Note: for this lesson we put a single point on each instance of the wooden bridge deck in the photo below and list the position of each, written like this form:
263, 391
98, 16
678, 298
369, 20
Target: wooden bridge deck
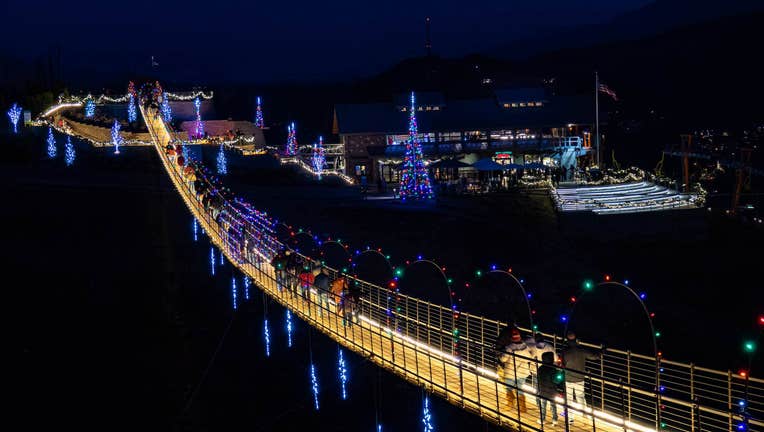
467, 387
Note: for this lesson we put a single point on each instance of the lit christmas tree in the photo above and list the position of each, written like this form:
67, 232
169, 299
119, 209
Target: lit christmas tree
222, 162
51, 144
415, 182
90, 108
132, 113
166, 110
69, 154
259, 121
116, 139
291, 145
319, 158
199, 124
14, 114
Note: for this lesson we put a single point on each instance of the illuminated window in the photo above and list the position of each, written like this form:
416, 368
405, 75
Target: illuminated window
429, 108
522, 104
403, 109
514, 104
506, 105
436, 108
538, 104
420, 109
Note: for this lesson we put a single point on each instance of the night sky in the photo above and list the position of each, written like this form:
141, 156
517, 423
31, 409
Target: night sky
204, 42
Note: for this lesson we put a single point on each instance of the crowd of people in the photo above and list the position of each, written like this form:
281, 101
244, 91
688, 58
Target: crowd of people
532, 365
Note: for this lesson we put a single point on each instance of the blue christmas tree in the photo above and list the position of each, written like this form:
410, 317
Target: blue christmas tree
166, 110
291, 145
116, 139
199, 124
222, 161
318, 160
259, 121
90, 107
415, 181
132, 113
14, 114
69, 154
52, 150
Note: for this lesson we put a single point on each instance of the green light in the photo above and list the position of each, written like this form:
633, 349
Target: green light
535, 327
663, 425
344, 270
657, 334
749, 347
588, 285
479, 273
387, 257
399, 272
450, 280
559, 378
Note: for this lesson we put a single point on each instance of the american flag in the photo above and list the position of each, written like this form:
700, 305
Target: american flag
608, 91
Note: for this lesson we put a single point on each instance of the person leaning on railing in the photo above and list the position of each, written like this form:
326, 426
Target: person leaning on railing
574, 359
514, 367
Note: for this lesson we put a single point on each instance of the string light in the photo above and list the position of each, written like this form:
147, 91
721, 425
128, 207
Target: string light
246, 288
52, 150
233, 293
259, 121
69, 154
166, 109
314, 384
222, 163
14, 113
291, 144
116, 139
289, 328
267, 336
343, 373
199, 129
195, 224
427, 416
222, 258
415, 181
132, 113
90, 107
212, 260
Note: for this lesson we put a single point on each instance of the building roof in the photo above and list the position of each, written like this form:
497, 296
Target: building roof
464, 115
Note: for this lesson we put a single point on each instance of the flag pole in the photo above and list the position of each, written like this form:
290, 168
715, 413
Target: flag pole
597, 115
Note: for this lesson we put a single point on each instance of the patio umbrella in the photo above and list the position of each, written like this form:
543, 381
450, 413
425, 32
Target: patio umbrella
487, 164
448, 163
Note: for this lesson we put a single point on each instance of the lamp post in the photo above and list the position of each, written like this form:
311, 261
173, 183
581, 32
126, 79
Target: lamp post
525, 294
392, 280
454, 312
589, 286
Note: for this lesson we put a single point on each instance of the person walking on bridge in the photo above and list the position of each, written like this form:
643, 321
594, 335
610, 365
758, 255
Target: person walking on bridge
321, 282
515, 366
574, 359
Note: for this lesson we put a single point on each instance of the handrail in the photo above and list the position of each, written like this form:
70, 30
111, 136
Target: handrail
690, 392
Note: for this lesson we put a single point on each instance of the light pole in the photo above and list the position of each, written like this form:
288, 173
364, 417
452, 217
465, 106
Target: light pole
525, 295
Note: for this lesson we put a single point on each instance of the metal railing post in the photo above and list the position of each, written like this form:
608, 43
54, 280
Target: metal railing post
692, 397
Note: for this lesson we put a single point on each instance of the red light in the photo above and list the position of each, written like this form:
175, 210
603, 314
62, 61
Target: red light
743, 373
392, 284
510, 269
408, 262
607, 277
660, 353
572, 299
379, 250
467, 284
533, 312
652, 314
761, 319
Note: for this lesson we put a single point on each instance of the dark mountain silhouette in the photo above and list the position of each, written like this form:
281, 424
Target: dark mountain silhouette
654, 18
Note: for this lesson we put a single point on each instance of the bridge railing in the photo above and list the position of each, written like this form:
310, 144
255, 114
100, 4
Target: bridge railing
620, 386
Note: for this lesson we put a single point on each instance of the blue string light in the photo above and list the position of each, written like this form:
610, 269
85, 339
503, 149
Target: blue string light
51, 144
14, 114
246, 288
69, 154
233, 293
116, 139
314, 384
212, 260
319, 158
166, 110
195, 230
427, 416
343, 373
289, 328
90, 108
199, 132
222, 258
222, 163
132, 113
267, 335
259, 121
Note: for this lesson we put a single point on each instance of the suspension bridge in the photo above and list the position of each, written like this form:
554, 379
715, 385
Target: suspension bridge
452, 353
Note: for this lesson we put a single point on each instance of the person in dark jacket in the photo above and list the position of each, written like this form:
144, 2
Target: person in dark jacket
550, 385
279, 267
321, 282
293, 268
574, 359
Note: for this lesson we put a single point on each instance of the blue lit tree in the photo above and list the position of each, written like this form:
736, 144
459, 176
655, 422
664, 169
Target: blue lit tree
90, 107
199, 124
132, 113
116, 139
222, 162
291, 145
52, 150
415, 181
69, 154
166, 110
14, 114
259, 121
318, 160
